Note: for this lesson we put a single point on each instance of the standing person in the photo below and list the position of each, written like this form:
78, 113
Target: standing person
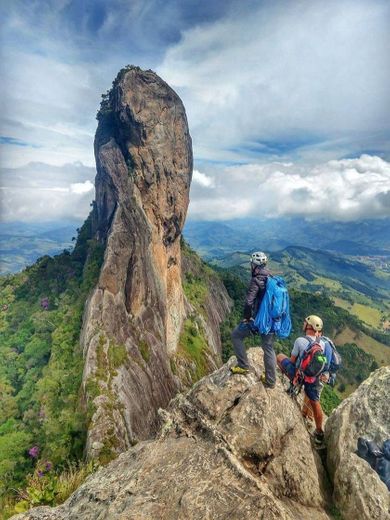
254, 296
312, 327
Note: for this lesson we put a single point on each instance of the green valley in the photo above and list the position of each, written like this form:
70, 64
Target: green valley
351, 284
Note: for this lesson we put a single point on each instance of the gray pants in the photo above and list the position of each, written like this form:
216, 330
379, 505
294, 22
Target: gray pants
242, 331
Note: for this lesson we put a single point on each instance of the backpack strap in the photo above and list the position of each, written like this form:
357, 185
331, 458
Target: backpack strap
298, 361
310, 343
310, 340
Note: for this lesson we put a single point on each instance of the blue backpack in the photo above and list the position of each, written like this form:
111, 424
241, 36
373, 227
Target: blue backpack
335, 361
274, 312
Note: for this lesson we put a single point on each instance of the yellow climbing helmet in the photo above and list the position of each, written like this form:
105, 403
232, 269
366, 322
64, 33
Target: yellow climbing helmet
315, 322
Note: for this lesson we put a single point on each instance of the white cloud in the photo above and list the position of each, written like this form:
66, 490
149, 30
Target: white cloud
41, 192
81, 187
202, 179
289, 87
340, 190
286, 76
345, 189
51, 106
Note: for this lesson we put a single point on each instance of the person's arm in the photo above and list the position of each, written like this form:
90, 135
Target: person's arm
253, 290
324, 377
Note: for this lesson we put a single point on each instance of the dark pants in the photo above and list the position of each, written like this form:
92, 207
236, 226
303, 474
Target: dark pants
244, 330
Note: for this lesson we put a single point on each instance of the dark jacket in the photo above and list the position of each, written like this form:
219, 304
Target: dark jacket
255, 291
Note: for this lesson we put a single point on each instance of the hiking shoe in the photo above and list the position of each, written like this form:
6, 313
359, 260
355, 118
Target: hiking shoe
319, 438
239, 370
265, 382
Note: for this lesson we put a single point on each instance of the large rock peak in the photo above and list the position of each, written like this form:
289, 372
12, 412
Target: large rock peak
144, 167
143, 128
134, 318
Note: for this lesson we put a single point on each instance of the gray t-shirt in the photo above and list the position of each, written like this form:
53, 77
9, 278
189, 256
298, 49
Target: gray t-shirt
300, 345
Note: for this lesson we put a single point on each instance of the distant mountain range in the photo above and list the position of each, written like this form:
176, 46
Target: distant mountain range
361, 238
22, 243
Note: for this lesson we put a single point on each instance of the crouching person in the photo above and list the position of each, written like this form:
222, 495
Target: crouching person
313, 384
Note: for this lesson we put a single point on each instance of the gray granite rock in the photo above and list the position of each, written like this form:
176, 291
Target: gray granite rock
228, 449
134, 318
358, 490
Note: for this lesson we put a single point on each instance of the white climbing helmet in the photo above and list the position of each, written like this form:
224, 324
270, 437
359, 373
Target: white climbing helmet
315, 322
259, 258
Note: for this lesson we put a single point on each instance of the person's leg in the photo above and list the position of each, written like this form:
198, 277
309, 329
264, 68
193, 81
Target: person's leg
269, 358
318, 415
241, 332
279, 360
307, 410
312, 391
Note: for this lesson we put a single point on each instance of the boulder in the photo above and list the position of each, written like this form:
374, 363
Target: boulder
358, 491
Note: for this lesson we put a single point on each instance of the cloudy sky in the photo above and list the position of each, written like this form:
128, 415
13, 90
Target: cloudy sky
287, 101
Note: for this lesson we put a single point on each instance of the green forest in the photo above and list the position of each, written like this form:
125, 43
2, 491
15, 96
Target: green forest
41, 366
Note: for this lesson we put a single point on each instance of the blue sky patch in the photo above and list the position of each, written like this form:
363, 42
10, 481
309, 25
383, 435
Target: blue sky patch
16, 142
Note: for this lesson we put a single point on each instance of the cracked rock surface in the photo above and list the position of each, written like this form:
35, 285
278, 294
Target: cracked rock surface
230, 448
134, 317
358, 490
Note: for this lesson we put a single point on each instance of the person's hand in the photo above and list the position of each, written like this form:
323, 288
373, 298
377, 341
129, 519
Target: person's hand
324, 378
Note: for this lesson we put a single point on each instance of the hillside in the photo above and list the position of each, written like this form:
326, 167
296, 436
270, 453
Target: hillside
352, 284
353, 276
41, 361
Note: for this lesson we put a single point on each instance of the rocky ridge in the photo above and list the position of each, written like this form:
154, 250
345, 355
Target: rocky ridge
358, 491
135, 317
229, 448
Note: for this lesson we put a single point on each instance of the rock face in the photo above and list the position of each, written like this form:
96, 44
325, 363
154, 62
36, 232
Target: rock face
135, 316
358, 490
228, 449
